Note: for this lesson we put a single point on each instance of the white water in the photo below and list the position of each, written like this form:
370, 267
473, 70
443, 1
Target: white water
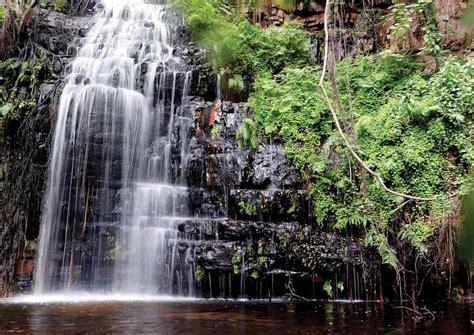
78, 298
116, 189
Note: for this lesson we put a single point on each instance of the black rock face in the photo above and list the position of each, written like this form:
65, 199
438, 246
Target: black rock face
254, 234
260, 234
26, 149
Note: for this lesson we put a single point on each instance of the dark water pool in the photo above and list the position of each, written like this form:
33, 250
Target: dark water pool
222, 317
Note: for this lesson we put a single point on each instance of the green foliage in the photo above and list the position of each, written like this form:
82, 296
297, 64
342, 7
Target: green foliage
413, 130
254, 274
403, 14
19, 80
44, 4
417, 233
236, 47
375, 239
236, 263
61, 6
262, 262
2, 14
346, 216
247, 208
327, 287
247, 135
215, 131
199, 273
292, 208
232, 85
286, 106
340, 286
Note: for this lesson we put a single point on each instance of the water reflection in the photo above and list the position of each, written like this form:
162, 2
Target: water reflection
218, 317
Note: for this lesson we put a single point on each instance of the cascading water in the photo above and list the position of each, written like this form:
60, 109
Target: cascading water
116, 191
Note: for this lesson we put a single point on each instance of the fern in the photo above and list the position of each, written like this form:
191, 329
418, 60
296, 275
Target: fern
247, 135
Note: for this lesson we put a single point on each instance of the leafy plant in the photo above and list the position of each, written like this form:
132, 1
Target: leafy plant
327, 287
236, 47
414, 130
61, 6
417, 233
215, 131
236, 262
403, 15
199, 273
408, 126
247, 208
247, 135
254, 274
340, 286
19, 81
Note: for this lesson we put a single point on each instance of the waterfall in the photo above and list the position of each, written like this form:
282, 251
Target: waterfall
116, 189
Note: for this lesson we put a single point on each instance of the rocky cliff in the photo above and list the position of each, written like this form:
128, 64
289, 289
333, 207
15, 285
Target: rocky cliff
367, 25
255, 228
255, 235
54, 37
260, 235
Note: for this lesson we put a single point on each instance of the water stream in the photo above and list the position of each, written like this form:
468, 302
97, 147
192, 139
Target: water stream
116, 189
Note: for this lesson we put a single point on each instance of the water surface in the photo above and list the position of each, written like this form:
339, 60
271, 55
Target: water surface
168, 316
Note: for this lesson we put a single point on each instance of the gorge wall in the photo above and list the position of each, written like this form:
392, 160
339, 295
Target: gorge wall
255, 222
26, 144
256, 235
367, 24
266, 233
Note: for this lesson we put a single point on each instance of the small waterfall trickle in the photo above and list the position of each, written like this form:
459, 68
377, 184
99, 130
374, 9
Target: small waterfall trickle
117, 190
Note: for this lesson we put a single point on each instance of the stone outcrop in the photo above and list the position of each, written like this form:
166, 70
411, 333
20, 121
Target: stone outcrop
253, 233
365, 28
257, 233
361, 28
58, 36
55, 36
311, 14
457, 35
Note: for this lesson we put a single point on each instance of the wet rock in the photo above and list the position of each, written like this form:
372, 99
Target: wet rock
60, 33
272, 169
264, 225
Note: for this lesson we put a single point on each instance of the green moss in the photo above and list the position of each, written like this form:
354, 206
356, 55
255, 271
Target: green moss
236, 263
199, 273
61, 6
2, 13
247, 208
